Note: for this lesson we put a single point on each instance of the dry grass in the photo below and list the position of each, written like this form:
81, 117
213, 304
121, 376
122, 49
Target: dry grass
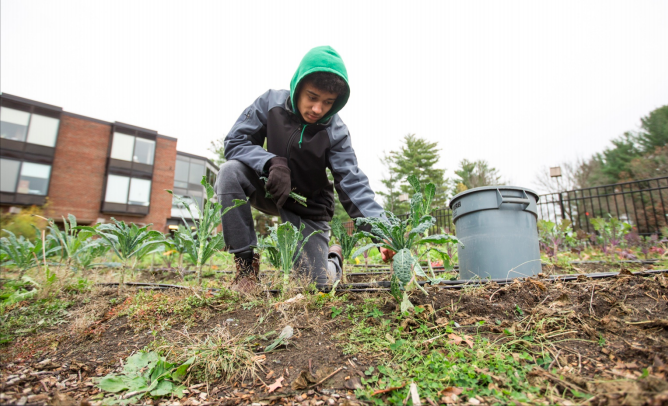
217, 355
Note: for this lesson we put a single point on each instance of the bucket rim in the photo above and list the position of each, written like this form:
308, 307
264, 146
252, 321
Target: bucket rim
485, 188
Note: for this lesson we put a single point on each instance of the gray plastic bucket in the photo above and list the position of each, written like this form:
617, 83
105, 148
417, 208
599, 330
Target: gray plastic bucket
497, 226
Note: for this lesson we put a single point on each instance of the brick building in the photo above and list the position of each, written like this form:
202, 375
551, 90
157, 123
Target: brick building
91, 168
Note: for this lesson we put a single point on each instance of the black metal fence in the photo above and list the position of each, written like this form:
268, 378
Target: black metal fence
443, 222
642, 203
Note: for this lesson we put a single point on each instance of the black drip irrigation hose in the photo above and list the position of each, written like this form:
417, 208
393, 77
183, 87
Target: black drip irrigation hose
383, 269
384, 286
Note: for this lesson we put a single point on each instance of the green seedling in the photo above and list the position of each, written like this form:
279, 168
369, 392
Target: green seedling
336, 311
285, 246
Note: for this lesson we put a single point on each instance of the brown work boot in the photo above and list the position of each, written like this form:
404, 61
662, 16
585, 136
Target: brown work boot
247, 278
337, 252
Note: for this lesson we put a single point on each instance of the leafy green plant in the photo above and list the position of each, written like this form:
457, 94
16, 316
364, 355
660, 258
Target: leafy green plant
177, 244
75, 247
84, 260
22, 253
145, 373
201, 242
267, 245
126, 241
346, 241
14, 291
285, 246
404, 236
611, 233
552, 236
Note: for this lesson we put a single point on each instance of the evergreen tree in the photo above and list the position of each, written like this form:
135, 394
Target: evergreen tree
391, 197
615, 162
474, 174
655, 133
417, 157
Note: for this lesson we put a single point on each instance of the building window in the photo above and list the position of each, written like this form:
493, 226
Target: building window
129, 148
24, 177
17, 125
9, 172
196, 173
144, 151
43, 130
34, 179
140, 192
181, 173
14, 124
125, 190
117, 189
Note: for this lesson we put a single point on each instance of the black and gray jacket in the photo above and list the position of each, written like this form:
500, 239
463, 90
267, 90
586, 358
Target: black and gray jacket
324, 145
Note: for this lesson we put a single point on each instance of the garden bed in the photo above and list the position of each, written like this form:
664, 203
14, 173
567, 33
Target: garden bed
603, 341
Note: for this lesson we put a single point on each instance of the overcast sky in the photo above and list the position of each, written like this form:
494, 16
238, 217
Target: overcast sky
521, 84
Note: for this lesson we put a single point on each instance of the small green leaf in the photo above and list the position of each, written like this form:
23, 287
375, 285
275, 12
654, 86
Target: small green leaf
112, 384
163, 388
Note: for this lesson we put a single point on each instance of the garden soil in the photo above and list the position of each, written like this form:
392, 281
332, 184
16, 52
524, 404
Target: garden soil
611, 342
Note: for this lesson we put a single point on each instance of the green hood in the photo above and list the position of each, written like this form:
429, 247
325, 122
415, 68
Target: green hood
321, 59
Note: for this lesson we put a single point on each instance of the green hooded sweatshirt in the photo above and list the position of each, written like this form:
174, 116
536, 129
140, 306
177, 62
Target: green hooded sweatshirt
321, 59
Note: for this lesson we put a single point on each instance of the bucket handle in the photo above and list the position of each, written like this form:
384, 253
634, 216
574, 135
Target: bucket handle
501, 199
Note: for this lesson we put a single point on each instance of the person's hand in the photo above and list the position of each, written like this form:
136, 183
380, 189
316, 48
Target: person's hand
386, 254
278, 182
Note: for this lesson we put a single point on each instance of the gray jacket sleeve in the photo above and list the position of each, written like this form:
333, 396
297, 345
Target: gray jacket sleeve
246, 138
351, 183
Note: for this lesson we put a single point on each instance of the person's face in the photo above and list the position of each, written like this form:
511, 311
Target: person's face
313, 103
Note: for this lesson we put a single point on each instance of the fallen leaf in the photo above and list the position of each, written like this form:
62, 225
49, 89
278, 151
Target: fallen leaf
303, 380
353, 383
456, 340
275, 385
539, 284
451, 390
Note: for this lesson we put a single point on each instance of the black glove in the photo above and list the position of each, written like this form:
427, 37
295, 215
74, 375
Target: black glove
278, 183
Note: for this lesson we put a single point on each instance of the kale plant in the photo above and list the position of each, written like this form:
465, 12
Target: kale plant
23, 253
346, 241
284, 245
126, 241
404, 236
200, 241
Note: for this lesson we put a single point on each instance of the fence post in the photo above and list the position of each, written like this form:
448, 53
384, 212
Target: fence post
561, 206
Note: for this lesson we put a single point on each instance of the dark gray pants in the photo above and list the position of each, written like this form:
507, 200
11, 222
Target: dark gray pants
238, 181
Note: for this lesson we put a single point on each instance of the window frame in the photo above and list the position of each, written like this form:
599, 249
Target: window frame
32, 110
25, 199
126, 208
